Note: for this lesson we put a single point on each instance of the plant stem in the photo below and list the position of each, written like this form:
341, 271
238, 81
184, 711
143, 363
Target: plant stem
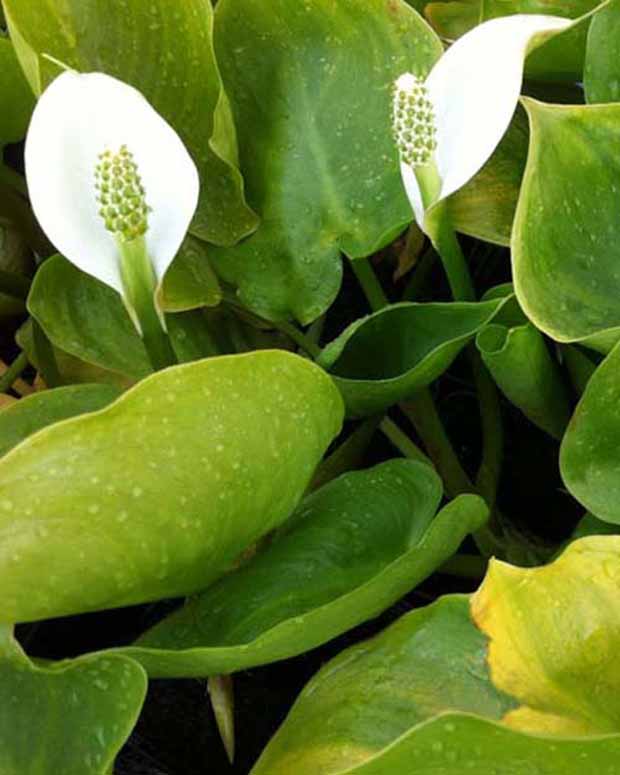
367, 279
422, 412
402, 442
13, 372
487, 478
347, 456
443, 237
139, 288
304, 342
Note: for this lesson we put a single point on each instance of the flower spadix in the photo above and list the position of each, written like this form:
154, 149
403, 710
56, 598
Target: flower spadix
110, 182
448, 125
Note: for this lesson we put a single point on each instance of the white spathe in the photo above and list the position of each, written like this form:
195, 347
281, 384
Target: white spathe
474, 88
78, 117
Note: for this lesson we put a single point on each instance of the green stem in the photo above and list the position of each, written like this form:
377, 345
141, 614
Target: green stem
362, 268
347, 456
487, 478
304, 342
13, 372
422, 412
417, 285
139, 285
402, 442
439, 229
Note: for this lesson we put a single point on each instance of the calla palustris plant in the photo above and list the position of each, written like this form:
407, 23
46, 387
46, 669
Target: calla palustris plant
447, 125
114, 189
228, 481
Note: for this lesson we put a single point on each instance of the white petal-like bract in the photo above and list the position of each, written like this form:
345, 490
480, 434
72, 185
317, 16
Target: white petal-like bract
474, 88
78, 117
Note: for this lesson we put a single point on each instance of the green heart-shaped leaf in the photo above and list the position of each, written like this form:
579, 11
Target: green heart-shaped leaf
389, 355
601, 75
32, 413
590, 453
87, 319
523, 681
565, 239
15, 96
158, 494
71, 720
310, 88
352, 549
165, 49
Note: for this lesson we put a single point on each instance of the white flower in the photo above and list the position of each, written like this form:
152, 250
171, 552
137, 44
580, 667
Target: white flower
103, 167
458, 115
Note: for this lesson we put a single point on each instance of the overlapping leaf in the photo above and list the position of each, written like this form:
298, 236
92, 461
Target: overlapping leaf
590, 454
352, 549
310, 88
165, 49
158, 494
389, 355
39, 410
433, 694
63, 300
565, 240
71, 720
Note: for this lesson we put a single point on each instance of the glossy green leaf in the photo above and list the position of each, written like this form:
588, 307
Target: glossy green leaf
566, 233
34, 412
15, 96
72, 370
389, 355
71, 720
523, 369
485, 207
429, 662
601, 75
524, 681
190, 282
165, 49
590, 454
158, 494
579, 365
87, 319
310, 88
352, 549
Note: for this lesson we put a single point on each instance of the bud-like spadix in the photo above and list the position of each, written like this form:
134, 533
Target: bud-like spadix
413, 121
121, 195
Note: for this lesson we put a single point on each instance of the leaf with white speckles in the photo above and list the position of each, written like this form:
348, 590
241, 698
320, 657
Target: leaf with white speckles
157, 495
520, 679
310, 85
352, 549
590, 453
566, 230
71, 720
